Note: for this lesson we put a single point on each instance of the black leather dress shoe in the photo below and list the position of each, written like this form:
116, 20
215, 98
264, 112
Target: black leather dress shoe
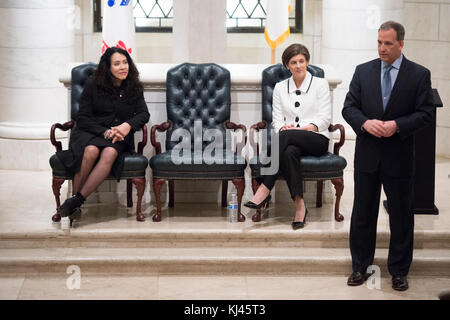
400, 283
357, 278
253, 205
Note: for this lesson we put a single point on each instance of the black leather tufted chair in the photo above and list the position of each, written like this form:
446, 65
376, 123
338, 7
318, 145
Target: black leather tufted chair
198, 103
135, 164
327, 167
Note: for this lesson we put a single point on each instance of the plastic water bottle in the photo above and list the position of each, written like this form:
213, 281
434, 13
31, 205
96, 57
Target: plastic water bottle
233, 209
65, 223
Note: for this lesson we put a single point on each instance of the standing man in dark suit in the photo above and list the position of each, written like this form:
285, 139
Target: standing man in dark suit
389, 100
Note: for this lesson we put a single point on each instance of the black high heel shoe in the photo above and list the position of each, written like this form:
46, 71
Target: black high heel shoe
300, 224
76, 215
71, 207
252, 205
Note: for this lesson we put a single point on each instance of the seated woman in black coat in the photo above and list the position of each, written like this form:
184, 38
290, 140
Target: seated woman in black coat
112, 108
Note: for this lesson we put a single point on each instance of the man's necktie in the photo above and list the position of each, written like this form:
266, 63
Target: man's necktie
386, 85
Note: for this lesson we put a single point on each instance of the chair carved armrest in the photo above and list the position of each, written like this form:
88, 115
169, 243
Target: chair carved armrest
231, 125
64, 127
143, 142
339, 144
256, 127
161, 128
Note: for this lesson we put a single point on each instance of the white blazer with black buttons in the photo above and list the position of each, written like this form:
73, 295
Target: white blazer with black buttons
309, 104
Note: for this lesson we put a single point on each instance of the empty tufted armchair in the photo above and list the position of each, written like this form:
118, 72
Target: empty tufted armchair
327, 167
198, 107
135, 164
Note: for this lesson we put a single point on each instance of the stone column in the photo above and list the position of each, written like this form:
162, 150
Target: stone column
349, 38
36, 42
199, 31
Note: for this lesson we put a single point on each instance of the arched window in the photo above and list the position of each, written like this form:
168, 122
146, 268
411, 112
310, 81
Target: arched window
243, 16
249, 16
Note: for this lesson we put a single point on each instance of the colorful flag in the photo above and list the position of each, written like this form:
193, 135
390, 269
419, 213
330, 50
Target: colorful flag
118, 26
277, 22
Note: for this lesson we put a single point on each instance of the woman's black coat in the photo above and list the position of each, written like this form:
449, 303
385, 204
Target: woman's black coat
99, 111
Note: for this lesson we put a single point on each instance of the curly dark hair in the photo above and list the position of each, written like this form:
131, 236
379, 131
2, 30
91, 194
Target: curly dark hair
104, 79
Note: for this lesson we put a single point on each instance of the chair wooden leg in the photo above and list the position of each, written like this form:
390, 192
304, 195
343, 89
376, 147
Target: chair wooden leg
129, 193
224, 192
240, 186
56, 186
339, 186
171, 193
157, 185
257, 216
319, 193
140, 187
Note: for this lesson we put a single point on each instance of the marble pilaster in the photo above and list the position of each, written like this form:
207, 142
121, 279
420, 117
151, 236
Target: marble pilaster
36, 42
199, 31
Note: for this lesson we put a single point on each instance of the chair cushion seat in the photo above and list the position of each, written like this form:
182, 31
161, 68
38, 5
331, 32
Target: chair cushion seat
327, 166
163, 167
134, 166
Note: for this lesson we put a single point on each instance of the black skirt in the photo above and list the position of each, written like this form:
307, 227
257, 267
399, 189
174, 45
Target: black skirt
72, 158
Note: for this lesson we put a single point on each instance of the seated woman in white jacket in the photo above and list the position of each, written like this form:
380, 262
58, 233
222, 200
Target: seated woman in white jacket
301, 114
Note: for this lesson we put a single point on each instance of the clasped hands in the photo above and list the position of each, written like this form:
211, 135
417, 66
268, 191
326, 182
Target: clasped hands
118, 133
309, 127
380, 128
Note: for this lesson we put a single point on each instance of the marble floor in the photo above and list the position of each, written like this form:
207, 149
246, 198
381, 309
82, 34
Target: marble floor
137, 287
26, 205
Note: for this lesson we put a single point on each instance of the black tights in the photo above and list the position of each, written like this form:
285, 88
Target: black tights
92, 172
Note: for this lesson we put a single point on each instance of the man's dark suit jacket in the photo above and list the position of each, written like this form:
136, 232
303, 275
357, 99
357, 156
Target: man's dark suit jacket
410, 105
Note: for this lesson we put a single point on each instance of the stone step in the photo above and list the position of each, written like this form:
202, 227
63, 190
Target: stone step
220, 237
208, 260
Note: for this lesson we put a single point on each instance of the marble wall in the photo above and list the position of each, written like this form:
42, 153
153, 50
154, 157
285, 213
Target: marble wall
349, 38
427, 41
349, 34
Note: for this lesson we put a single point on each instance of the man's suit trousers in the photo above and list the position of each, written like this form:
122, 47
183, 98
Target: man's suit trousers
363, 227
